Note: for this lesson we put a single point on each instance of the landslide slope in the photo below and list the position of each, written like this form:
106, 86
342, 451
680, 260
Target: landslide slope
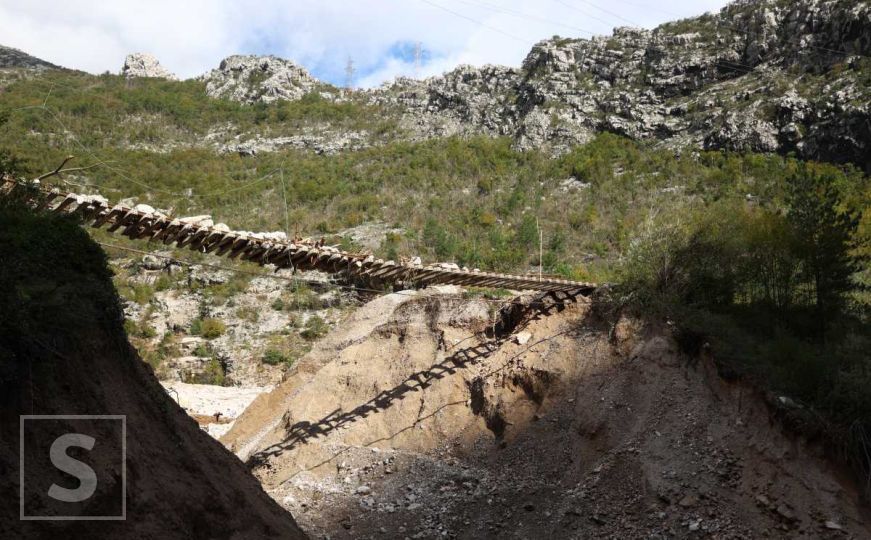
432, 414
63, 351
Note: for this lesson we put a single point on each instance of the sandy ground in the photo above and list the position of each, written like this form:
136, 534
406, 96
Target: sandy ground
435, 416
214, 407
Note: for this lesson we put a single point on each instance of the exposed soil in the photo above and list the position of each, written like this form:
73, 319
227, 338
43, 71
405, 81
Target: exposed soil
430, 415
63, 351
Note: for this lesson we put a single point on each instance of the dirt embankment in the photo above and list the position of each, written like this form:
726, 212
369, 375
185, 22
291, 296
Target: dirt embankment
430, 415
63, 351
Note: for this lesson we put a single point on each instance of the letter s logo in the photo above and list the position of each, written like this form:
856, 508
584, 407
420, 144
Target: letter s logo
86, 475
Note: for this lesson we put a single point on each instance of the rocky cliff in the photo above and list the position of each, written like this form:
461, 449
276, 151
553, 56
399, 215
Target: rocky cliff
761, 75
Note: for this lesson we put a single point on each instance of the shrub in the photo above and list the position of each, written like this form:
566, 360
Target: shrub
315, 328
301, 298
163, 283
140, 329
142, 293
273, 357
208, 328
214, 373
9, 163
248, 313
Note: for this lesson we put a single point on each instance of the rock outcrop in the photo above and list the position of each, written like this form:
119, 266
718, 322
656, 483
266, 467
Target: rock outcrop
327, 142
139, 65
251, 79
760, 76
464, 101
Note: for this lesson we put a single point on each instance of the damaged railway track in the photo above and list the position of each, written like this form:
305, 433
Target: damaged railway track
139, 223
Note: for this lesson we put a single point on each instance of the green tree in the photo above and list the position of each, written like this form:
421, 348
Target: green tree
823, 233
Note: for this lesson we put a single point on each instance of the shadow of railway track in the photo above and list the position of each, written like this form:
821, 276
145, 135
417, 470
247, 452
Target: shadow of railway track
512, 318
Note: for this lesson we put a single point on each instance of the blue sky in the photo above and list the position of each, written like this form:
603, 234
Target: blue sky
189, 37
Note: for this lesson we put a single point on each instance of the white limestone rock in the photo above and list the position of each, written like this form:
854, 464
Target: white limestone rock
252, 79
140, 65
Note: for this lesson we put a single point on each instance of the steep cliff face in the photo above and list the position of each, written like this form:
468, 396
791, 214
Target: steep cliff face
464, 101
764, 76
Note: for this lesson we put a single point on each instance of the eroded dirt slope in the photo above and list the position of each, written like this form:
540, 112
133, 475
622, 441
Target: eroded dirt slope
431, 415
63, 351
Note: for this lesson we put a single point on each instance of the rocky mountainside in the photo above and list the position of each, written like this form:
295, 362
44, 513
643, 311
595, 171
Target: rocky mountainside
761, 75
13, 58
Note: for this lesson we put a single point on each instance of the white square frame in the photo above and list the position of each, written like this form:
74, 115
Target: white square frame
122, 417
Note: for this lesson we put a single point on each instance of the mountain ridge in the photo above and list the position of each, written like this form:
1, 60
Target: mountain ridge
11, 57
759, 76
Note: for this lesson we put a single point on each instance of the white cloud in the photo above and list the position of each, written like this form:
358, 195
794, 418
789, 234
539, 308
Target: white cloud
192, 36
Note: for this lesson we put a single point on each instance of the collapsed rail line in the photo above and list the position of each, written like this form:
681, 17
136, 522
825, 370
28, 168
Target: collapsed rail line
138, 223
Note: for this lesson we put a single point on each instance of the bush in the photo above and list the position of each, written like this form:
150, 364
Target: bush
214, 373
163, 283
279, 356
301, 298
208, 328
315, 328
139, 329
9, 163
273, 357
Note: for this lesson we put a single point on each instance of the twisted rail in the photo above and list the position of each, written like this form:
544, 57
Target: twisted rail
138, 224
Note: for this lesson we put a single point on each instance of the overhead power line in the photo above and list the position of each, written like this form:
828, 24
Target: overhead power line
592, 5
581, 11
525, 16
479, 23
